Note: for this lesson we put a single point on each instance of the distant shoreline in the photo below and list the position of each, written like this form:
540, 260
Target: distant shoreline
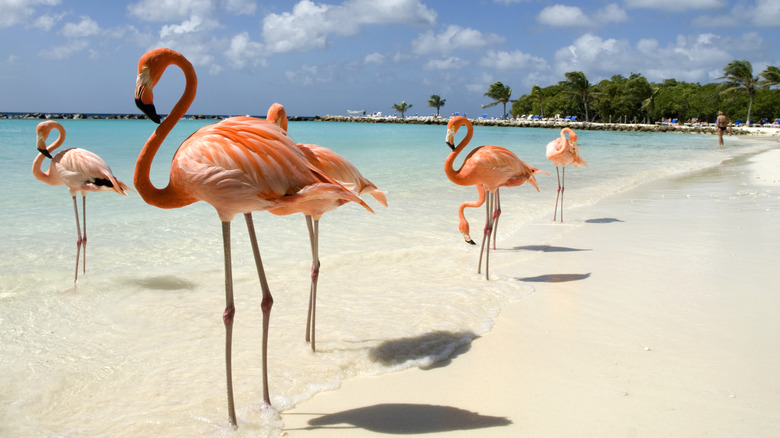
699, 128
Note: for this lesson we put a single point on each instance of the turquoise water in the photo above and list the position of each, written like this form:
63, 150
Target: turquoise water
138, 348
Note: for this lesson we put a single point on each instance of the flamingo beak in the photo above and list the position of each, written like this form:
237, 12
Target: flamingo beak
451, 145
44, 152
148, 109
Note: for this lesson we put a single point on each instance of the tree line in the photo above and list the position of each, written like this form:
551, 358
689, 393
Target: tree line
741, 96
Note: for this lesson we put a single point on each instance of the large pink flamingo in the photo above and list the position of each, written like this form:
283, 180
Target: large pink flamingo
81, 171
563, 151
239, 165
489, 166
338, 168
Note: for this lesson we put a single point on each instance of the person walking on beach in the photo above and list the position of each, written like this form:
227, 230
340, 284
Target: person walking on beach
722, 124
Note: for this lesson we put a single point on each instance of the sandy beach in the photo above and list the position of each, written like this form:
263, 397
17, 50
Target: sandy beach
654, 313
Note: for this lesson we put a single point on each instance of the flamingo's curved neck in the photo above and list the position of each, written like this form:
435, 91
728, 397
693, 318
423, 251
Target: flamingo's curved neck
169, 196
39, 174
452, 174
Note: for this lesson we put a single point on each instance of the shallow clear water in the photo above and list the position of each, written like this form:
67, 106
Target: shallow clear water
137, 349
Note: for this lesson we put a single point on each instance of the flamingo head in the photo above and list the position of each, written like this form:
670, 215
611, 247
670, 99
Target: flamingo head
452, 128
41, 134
450, 139
150, 69
532, 178
277, 115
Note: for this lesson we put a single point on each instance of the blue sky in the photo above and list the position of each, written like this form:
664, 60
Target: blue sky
325, 57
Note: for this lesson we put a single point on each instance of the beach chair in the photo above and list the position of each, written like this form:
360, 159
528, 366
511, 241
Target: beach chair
573, 118
738, 122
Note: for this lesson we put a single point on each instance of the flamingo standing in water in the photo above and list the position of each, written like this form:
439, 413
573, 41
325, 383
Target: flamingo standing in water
338, 168
80, 170
239, 165
563, 151
491, 167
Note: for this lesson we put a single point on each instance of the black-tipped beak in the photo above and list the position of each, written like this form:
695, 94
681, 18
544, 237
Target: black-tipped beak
468, 240
451, 145
44, 152
149, 110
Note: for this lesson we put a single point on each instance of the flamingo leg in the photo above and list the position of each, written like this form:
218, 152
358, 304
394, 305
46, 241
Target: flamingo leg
265, 304
227, 318
84, 239
496, 214
78, 239
314, 238
563, 187
555, 214
486, 235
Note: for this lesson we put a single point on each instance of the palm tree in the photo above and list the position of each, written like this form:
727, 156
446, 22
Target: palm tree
536, 91
740, 80
500, 94
771, 76
437, 102
577, 86
402, 108
649, 103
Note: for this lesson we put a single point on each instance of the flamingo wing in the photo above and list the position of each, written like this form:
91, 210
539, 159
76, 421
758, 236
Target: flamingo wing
82, 170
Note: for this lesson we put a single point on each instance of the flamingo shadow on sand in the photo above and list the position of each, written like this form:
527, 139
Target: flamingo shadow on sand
407, 419
603, 220
548, 248
438, 348
555, 278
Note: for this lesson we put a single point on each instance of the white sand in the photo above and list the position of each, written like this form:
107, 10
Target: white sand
656, 313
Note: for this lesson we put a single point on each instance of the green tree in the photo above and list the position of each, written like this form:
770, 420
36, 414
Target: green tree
577, 86
402, 108
500, 94
771, 76
649, 103
437, 102
740, 80
538, 94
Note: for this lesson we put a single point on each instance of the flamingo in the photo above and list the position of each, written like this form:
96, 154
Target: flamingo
563, 151
491, 167
338, 168
239, 165
80, 170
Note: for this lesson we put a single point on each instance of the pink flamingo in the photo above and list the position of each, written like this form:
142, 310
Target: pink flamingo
563, 151
80, 170
491, 167
338, 168
239, 165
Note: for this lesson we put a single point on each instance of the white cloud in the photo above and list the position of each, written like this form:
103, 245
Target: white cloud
572, 16
449, 63
244, 51
594, 54
64, 51
241, 7
307, 75
309, 24
512, 61
191, 25
611, 13
453, 38
677, 5
374, 58
15, 12
170, 10
764, 13
84, 28
562, 15
47, 22
689, 58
